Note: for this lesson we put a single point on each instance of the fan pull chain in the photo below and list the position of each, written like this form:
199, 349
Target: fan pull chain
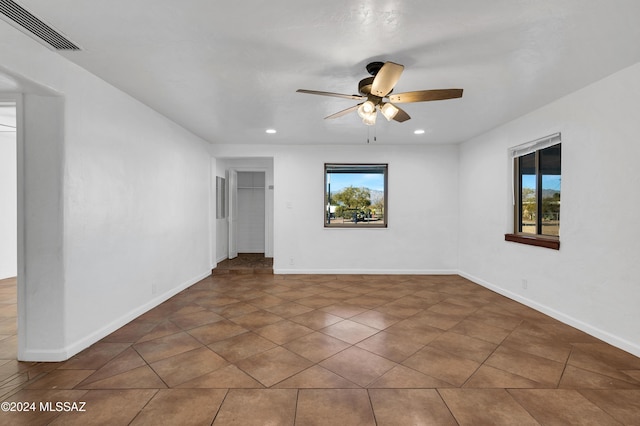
375, 133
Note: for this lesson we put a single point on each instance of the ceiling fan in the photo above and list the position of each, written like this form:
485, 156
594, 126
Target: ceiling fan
374, 90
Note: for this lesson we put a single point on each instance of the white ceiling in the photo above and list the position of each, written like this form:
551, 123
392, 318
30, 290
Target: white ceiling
229, 70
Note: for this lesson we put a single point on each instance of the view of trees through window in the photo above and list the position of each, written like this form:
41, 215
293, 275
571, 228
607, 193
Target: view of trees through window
355, 195
539, 183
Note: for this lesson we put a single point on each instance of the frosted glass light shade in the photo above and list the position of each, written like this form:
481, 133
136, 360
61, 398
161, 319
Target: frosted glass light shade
389, 111
366, 108
370, 118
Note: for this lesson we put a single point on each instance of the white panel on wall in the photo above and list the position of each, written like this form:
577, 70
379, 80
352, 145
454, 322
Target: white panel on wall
222, 225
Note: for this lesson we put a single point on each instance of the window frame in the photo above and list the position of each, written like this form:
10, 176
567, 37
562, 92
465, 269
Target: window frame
383, 224
538, 239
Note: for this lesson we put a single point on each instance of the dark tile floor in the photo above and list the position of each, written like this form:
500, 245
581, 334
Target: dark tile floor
238, 349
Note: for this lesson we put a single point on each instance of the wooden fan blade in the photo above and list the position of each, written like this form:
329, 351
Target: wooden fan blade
426, 95
386, 79
335, 95
401, 115
343, 112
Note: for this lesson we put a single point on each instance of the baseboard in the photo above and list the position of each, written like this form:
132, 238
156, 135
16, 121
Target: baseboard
617, 341
366, 271
80, 345
43, 356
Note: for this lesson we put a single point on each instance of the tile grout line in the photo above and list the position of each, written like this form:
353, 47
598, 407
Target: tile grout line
215, 416
564, 368
444, 401
373, 411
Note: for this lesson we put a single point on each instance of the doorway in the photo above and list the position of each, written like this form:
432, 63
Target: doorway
250, 236
8, 230
249, 224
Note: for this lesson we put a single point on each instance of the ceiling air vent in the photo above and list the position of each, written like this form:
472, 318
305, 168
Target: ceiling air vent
35, 26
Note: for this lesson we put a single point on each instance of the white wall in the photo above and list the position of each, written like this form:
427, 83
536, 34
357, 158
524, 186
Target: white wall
222, 228
8, 203
126, 224
41, 281
423, 210
592, 281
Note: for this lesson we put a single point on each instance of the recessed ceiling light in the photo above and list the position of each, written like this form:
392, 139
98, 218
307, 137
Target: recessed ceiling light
418, 132
271, 131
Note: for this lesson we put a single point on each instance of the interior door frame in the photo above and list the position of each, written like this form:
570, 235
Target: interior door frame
232, 174
232, 216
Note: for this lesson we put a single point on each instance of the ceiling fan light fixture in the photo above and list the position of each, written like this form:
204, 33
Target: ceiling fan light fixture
366, 108
373, 90
389, 111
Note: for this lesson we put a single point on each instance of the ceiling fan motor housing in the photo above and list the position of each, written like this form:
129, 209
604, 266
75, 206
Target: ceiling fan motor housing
374, 67
364, 86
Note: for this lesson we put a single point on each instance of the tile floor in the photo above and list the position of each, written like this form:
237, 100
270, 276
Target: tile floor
329, 350
246, 263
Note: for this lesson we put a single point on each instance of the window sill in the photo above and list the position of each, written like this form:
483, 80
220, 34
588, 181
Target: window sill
534, 240
352, 226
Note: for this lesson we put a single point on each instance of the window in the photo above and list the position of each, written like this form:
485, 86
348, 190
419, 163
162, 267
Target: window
537, 190
355, 195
